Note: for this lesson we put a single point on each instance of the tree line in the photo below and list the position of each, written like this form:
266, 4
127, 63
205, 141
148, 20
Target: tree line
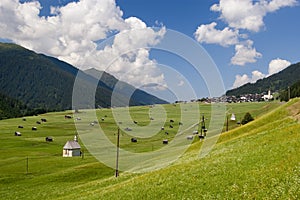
11, 108
290, 92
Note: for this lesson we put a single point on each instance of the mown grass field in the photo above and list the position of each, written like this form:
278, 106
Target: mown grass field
259, 160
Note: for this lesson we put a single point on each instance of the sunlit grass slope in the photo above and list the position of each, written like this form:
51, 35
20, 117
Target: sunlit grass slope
259, 160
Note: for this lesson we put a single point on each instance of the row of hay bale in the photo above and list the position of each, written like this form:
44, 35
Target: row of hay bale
134, 140
33, 128
165, 141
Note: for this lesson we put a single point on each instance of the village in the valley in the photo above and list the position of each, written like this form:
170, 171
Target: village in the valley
267, 96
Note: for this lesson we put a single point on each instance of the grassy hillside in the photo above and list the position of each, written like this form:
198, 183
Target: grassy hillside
256, 161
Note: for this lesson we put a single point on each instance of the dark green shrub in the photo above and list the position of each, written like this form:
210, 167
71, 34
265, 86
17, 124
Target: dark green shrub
247, 118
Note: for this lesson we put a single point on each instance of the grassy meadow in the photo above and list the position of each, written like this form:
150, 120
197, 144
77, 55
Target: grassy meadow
259, 160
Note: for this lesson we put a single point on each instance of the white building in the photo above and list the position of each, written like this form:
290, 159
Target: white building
232, 118
268, 97
71, 148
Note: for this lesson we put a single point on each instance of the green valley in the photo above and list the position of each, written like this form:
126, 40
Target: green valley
258, 160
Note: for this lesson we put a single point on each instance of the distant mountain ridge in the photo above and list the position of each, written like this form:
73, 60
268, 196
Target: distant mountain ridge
276, 82
118, 86
40, 81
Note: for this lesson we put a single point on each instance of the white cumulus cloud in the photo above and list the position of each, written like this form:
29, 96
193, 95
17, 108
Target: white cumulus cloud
209, 34
245, 53
248, 14
72, 33
277, 4
241, 80
239, 16
181, 83
256, 75
277, 65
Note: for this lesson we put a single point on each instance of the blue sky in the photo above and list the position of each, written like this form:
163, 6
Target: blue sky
276, 39
246, 39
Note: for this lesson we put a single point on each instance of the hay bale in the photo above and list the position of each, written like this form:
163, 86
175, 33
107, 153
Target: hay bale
18, 133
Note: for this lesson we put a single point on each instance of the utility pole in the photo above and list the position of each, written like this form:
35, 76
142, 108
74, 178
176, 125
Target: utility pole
202, 125
289, 93
118, 147
203, 128
227, 123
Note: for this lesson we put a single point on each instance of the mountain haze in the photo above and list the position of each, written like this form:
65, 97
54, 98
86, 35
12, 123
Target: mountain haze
121, 87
